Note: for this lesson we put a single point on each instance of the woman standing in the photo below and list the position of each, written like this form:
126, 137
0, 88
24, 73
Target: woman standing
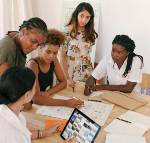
75, 55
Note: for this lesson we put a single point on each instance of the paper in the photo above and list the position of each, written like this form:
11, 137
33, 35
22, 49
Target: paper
55, 111
138, 125
121, 127
97, 111
113, 138
136, 118
61, 97
96, 93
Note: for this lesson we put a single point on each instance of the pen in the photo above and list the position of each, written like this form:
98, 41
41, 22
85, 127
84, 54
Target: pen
73, 88
94, 100
77, 98
123, 120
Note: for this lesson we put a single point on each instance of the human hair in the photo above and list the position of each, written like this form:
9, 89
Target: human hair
129, 45
14, 83
89, 33
37, 23
55, 37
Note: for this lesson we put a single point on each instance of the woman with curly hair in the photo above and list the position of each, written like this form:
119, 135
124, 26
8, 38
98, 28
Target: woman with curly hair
44, 66
123, 69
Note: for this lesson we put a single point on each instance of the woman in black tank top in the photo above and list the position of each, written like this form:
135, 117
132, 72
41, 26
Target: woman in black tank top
44, 66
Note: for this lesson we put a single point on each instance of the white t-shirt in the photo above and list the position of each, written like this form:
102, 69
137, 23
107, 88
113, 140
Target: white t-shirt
13, 127
107, 68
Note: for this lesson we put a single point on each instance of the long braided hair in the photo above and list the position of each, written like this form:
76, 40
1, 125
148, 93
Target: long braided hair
129, 46
37, 23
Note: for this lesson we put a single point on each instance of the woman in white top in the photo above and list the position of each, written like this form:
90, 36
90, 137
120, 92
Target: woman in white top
123, 69
16, 89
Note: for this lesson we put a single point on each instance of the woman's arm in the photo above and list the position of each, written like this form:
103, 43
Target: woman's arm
36, 134
60, 76
65, 68
46, 100
127, 88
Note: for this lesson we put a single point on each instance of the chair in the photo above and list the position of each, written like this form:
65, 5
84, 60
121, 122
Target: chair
145, 84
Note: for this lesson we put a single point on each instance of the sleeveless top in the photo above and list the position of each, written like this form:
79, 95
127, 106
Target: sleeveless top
45, 79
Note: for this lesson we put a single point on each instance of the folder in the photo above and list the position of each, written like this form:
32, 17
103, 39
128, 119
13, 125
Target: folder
50, 123
124, 100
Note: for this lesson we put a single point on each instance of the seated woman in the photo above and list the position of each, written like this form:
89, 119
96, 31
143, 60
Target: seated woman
123, 69
17, 87
44, 68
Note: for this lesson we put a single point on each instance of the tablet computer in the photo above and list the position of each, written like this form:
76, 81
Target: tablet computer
82, 127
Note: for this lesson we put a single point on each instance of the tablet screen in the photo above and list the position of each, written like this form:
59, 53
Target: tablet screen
82, 127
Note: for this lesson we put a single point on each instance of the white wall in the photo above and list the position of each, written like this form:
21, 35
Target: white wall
131, 17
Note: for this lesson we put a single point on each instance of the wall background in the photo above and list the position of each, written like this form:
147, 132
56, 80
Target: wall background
131, 17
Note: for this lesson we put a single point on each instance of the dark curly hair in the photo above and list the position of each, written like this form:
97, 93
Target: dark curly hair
55, 37
37, 23
89, 33
14, 83
129, 46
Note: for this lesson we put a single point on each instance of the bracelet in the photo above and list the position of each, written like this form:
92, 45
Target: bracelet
40, 134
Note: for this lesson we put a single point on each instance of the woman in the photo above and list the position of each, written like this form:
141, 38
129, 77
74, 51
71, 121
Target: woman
16, 89
123, 69
44, 68
17, 44
75, 55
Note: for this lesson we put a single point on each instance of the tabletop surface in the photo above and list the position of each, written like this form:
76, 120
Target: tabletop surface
35, 121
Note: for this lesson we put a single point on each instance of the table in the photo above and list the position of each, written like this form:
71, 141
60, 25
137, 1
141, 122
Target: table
38, 120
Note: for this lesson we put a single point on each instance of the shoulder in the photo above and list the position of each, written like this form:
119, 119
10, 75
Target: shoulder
68, 28
7, 44
137, 62
33, 64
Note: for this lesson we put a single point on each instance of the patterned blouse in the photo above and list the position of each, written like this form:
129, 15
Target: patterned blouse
78, 53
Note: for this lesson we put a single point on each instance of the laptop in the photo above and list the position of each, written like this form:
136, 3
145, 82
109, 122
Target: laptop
81, 127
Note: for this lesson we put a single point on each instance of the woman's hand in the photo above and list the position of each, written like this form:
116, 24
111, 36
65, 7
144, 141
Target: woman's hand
87, 91
71, 83
70, 140
53, 129
90, 82
75, 103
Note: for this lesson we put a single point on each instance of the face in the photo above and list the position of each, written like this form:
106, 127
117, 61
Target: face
83, 18
118, 53
26, 98
31, 39
49, 52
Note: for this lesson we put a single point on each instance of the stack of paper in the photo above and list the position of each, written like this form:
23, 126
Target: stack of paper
97, 111
130, 124
114, 138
